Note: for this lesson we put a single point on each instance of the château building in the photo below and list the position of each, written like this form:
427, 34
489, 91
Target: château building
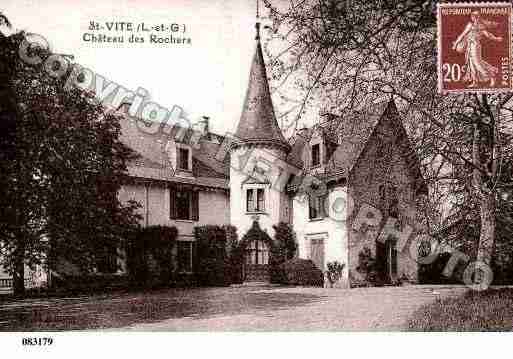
259, 179
317, 181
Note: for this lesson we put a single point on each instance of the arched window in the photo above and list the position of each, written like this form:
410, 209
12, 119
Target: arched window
257, 252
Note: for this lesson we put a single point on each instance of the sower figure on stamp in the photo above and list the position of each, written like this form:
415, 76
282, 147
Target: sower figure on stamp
469, 42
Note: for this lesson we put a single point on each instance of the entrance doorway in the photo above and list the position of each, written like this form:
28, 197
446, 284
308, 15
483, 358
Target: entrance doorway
256, 262
386, 260
317, 252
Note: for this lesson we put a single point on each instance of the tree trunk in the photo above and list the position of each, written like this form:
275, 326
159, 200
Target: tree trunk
487, 234
18, 277
486, 199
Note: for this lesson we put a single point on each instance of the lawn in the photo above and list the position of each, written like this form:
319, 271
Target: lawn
491, 310
124, 309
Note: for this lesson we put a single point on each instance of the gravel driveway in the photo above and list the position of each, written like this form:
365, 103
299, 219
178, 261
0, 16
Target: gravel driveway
246, 308
360, 309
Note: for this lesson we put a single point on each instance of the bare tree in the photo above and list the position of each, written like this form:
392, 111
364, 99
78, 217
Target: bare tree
344, 55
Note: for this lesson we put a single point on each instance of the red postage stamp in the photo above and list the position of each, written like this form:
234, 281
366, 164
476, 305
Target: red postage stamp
474, 47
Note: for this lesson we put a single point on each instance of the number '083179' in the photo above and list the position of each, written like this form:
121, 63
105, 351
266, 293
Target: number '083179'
34, 341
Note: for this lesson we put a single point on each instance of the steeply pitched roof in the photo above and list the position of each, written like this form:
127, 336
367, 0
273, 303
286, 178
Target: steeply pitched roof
163, 174
153, 162
300, 140
258, 123
355, 133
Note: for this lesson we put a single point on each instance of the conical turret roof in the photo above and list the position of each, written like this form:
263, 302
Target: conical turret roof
257, 124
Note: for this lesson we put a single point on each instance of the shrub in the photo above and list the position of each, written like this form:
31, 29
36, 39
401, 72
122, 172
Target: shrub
368, 267
89, 283
283, 249
334, 272
212, 265
150, 256
237, 256
285, 245
234, 253
301, 272
431, 273
502, 263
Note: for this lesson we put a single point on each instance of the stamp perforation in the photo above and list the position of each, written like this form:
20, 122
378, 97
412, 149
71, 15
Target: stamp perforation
509, 41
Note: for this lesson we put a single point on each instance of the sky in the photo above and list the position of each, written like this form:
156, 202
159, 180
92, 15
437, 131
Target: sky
208, 77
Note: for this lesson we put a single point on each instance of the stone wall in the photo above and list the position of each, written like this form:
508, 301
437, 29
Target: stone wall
381, 162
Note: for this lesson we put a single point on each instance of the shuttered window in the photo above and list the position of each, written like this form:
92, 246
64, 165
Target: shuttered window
195, 205
184, 204
316, 206
316, 155
260, 200
183, 159
250, 200
255, 200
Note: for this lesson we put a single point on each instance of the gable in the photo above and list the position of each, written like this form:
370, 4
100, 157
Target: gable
354, 134
388, 139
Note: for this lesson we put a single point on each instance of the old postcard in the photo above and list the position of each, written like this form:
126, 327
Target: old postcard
255, 166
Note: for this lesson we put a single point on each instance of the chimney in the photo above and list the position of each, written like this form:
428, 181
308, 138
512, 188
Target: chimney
302, 131
205, 122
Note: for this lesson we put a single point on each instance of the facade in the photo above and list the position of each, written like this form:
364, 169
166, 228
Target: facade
366, 161
176, 184
315, 181
367, 158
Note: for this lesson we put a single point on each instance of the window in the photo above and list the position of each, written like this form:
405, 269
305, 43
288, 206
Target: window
316, 155
389, 201
257, 252
316, 206
382, 195
393, 206
255, 200
260, 200
107, 261
183, 159
250, 200
184, 256
184, 204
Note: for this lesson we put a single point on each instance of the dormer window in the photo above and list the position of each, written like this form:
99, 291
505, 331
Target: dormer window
183, 159
316, 206
316, 155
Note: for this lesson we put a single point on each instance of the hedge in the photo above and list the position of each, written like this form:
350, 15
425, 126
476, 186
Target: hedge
150, 256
